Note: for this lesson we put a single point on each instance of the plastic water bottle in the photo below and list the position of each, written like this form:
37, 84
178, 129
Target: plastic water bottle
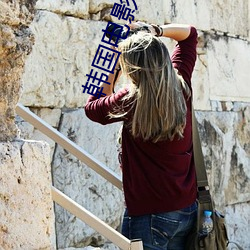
207, 223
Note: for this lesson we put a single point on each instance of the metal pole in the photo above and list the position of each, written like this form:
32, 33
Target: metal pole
136, 245
70, 146
67, 203
93, 221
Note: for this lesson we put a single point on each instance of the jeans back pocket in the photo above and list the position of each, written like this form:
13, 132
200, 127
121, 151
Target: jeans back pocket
163, 229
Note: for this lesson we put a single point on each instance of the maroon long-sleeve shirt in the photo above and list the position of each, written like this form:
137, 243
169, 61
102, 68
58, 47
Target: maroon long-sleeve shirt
157, 177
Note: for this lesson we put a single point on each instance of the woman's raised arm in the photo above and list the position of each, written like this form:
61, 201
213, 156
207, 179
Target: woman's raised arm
178, 32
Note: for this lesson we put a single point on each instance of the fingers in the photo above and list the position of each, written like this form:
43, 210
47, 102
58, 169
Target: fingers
134, 25
140, 24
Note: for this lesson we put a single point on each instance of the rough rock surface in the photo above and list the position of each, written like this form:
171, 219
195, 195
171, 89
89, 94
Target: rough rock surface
28, 131
15, 43
82, 184
26, 207
67, 35
225, 139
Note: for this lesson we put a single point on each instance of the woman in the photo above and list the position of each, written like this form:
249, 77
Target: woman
157, 151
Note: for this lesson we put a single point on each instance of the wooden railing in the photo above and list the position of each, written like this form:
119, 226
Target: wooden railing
67, 203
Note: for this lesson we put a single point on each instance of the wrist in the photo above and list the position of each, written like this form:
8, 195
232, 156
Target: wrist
161, 31
158, 30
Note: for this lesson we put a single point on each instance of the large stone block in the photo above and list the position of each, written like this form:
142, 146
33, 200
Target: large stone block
15, 43
225, 140
61, 61
226, 148
150, 11
220, 74
66, 43
26, 206
230, 16
238, 221
248, 19
96, 6
82, 184
28, 131
18, 12
189, 11
99, 9
57, 67
77, 8
210, 15
228, 72
200, 77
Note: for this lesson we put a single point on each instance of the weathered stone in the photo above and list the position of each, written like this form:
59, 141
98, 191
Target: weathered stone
51, 116
13, 46
27, 131
235, 11
68, 61
201, 94
17, 12
15, 43
219, 64
190, 11
77, 8
96, 6
56, 69
231, 70
210, 15
225, 139
26, 207
238, 221
82, 184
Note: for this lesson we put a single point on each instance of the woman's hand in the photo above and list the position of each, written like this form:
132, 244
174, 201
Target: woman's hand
148, 27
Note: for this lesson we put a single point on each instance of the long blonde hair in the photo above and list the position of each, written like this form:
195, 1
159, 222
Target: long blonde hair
160, 106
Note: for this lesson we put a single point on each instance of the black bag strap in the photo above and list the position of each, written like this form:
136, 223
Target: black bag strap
201, 174
204, 197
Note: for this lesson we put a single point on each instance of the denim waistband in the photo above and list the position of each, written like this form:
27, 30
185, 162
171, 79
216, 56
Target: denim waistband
190, 208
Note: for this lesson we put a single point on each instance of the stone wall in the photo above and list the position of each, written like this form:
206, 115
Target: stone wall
26, 207
67, 34
15, 43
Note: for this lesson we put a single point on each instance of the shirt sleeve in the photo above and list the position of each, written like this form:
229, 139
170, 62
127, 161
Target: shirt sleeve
99, 110
184, 55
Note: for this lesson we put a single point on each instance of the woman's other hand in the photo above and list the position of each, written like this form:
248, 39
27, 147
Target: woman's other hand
140, 24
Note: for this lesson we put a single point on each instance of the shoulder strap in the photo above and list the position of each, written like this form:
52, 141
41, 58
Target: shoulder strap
198, 156
204, 196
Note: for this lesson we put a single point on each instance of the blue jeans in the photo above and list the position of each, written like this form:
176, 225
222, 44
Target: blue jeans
161, 231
